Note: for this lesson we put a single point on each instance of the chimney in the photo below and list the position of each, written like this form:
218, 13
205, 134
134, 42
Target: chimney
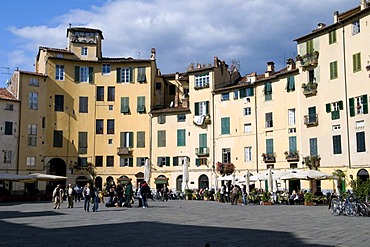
290, 64
177, 75
215, 62
270, 69
336, 13
363, 4
321, 25
152, 56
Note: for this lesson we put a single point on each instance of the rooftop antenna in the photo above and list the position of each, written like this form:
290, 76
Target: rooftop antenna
6, 73
138, 54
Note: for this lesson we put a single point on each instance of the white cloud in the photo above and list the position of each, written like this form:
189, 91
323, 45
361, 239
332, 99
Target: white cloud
252, 31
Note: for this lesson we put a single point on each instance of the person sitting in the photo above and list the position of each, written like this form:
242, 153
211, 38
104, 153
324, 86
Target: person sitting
293, 198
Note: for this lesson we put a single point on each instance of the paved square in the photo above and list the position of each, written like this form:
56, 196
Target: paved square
179, 223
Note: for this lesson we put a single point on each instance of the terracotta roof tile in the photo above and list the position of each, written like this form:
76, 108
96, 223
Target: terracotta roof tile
5, 94
171, 110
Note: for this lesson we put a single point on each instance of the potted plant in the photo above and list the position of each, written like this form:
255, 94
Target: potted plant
189, 194
266, 198
308, 199
206, 195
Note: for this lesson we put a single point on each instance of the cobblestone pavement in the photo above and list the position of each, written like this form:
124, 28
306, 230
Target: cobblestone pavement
179, 223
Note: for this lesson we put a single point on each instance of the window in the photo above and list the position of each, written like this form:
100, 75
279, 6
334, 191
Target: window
59, 72
7, 156
59, 103
356, 59
34, 81
290, 85
82, 142
98, 161
163, 161
225, 96
161, 138
84, 51
110, 161
337, 144
247, 128
141, 104
124, 75
161, 119
82, 162
106, 69
313, 146
247, 154
268, 120
336, 127
247, 111
140, 139
332, 37
358, 105
201, 161
125, 105
84, 74
291, 116
31, 161
333, 70
225, 126
268, 91
83, 104
246, 92
58, 139
8, 128
110, 126
292, 143
175, 160
32, 135
355, 27
360, 124
181, 137
127, 139
181, 118
226, 155
334, 108
99, 126
292, 130
9, 107
100, 94
33, 99
126, 162
311, 76
111, 93
141, 77
309, 47
201, 108
172, 89
202, 81
312, 117
203, 143
360, 141
236, 94
269, 146
140, 161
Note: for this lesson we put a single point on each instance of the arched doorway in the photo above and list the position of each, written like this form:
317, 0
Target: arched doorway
139, 178
99, 183
203, 182
124, 179
57, 167
109, 182
81, 180
179, 183
363, 175
160, 181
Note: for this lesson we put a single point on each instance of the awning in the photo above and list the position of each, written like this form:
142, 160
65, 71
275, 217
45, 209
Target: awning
161, 180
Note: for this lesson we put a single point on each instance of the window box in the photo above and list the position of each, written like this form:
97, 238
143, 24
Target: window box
124, 151
292, 156
202, 151
309, 59
309, 88
311, 120
268, 158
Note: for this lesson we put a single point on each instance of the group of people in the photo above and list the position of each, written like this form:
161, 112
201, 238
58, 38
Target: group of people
90, 194
230, 193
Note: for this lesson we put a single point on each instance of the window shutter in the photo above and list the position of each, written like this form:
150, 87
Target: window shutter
207, 107
196, 106
197, 162
131, 139
131, 74
122, 139
91, 75
118, 70
77, 73
159, 161
250, 91
364, 104
138, 161
340, 105
130, 162
124, 105
202, 140
168, 161
313, 146
270, 146
352, 107
328, 107
175, 161
243, 93
292, 143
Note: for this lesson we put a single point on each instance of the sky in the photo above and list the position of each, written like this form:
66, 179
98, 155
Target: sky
252, 32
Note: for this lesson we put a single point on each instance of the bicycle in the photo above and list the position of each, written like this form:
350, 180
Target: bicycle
348, 207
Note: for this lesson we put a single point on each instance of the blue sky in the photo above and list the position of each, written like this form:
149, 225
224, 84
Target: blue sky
182, 31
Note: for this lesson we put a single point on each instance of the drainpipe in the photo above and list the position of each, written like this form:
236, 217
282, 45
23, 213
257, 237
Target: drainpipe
256, 124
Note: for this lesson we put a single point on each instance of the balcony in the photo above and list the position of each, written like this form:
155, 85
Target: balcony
311, 120
309, 59
309, 88
202, 120
292, 155
204, 151
124, 151
269, 158
312, 161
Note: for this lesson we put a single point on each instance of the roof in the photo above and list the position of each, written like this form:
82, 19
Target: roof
85, 29
170, 110
31, 73
5, 94
55, 49
103, 60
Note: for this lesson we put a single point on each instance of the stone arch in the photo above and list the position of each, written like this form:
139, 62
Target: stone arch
203, 181
99, 182
58, 167
363, 175
179, 183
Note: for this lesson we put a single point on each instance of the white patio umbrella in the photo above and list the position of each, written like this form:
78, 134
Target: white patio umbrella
15, 177
185, 173
270, 180
147, 171
46, 177
258, 177
307, 175
247, 181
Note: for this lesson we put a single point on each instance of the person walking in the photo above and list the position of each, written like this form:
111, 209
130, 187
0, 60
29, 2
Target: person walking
128, 195
244, 194
57, 196
145, 191
70, 195
87, 196
234, 195
95, 197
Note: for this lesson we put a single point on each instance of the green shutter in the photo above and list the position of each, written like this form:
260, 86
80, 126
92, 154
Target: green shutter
352, 111
356, 62
270, 146
243, 92
131, 139
125, 105
196, 108
202, 140
207, 107
118, 73
122, 139
168, 161
141, 104
91, 75
180, 137
131, 74
130, 162
197, 162
364, 104
309, 46
328, 107
77, 73
340, 105
292, 143
225, 126
313, 146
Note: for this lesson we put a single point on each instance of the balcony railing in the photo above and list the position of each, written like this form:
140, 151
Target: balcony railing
204, 151
309, 88
311, 120
269, 158
309, 59
312, 161
124, 151
292, 156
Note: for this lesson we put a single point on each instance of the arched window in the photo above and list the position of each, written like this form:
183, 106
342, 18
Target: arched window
203, 182
363, 175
